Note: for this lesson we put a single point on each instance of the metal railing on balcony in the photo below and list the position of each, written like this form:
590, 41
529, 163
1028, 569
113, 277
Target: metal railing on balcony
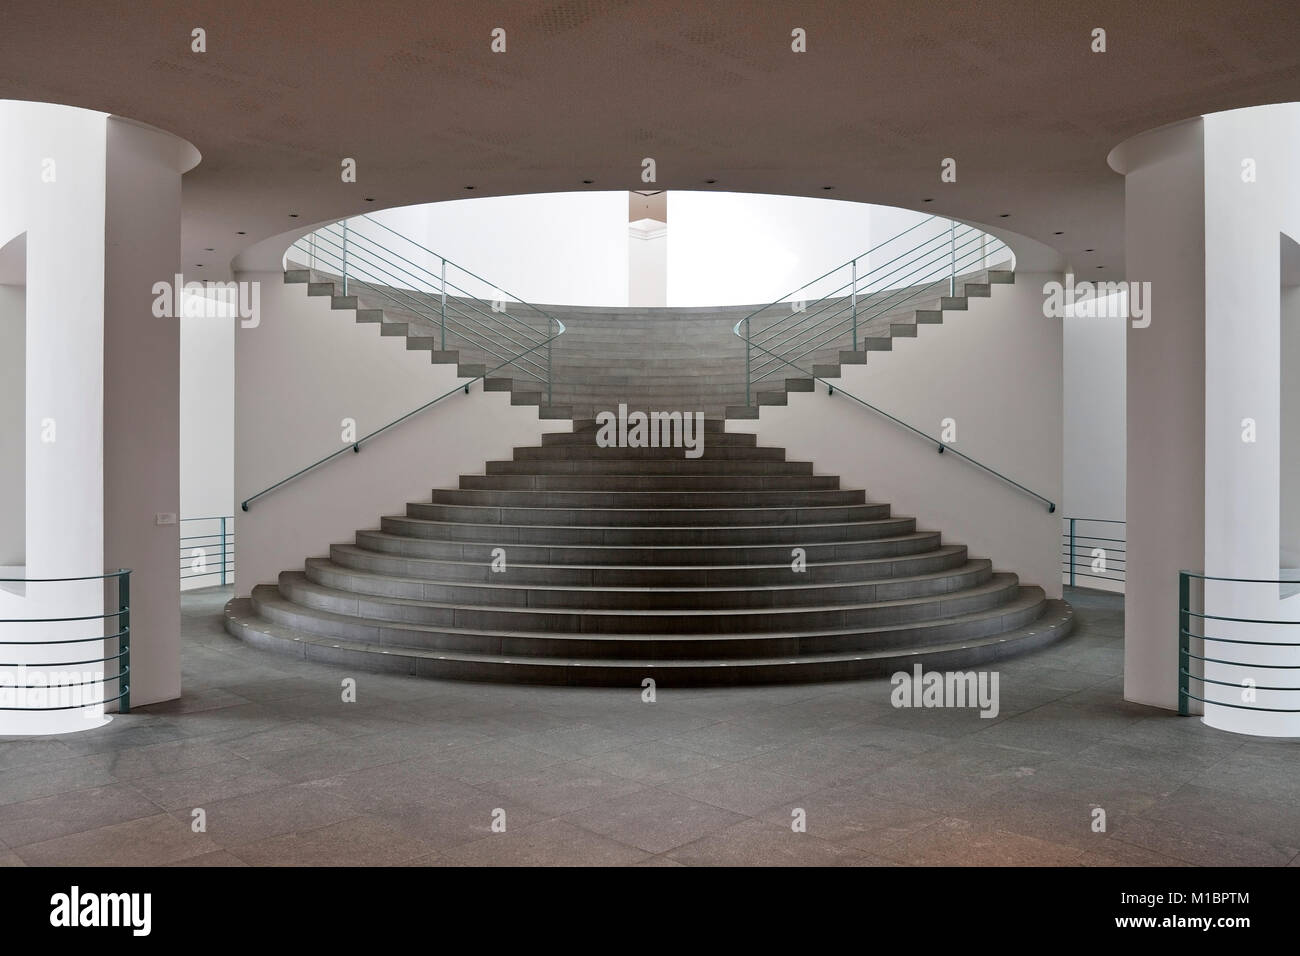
207, 551
511, 340
1094, 552
922, 263
1229, 649
448, 303
786, 344
61, 682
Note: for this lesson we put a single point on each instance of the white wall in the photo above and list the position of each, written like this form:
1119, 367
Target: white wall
946, 372
647, 266
1094, 387
1243, 226
13, 427
302, 371
1289, 517
207, 426
1094, 440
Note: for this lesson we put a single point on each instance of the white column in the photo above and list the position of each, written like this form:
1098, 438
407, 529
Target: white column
1164, 223
142, 393
1251, 202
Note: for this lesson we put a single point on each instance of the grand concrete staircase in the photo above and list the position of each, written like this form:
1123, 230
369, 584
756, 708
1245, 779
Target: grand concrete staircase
622, 564
573, 563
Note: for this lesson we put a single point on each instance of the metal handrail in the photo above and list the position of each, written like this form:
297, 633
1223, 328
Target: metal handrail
854, 280
863, 297
478, 338
808, 345
122, 577
833, 389
485, 330
356, 445
1186, 636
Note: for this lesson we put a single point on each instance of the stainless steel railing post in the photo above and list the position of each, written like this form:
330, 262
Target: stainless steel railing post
442, 322
855, 305
952, 245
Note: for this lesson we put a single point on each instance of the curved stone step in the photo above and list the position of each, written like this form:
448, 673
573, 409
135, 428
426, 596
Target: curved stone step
686, 483
791, 535
795, 590
647, 499
593, 452
1052, 620
648, 517
715, 574
296, 587
648, 466
649, 555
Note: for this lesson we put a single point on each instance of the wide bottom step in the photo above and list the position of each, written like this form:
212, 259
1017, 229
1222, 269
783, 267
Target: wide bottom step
242, 621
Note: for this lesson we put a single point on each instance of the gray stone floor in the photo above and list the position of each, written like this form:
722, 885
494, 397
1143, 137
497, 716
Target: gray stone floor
413, 771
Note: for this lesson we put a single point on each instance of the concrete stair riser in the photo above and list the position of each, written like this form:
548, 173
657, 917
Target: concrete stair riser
791, 535
1023, 610
792, 591
297, 588
659, 575
649, 556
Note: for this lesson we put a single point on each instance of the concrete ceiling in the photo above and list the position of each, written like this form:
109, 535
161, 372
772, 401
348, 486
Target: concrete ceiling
711, 91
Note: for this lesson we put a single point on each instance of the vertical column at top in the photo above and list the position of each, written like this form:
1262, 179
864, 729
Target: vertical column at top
1164, 234
142, 392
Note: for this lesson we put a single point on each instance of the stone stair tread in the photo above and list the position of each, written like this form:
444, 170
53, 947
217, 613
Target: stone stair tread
1000, 581
1057, 615
943, 550
970, 565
